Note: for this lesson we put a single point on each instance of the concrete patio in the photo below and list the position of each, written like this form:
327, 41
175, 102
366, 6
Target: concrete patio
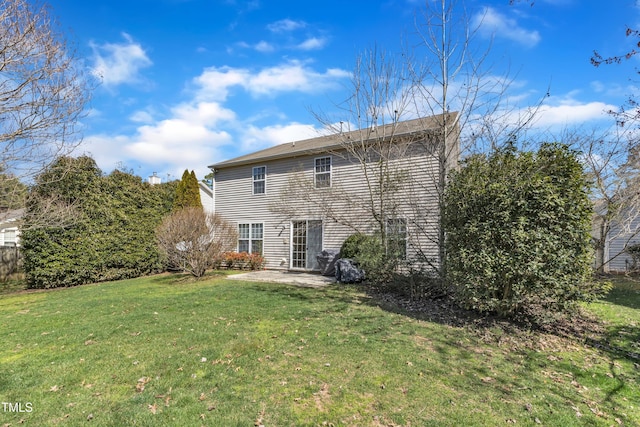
307, 280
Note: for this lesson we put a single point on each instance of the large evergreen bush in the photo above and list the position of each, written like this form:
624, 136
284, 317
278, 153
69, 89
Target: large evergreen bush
518, 232
110, 230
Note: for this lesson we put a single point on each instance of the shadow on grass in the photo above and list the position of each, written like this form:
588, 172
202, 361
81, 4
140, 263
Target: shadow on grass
14, 284
625, 292
621, 338
335, 293
621, 341
626, 298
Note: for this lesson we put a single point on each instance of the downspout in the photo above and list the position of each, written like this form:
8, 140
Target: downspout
213, 189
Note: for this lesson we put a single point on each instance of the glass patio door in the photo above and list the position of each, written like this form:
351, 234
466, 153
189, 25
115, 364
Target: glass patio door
306, 244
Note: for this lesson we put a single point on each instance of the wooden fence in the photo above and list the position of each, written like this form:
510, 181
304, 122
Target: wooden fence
10, 261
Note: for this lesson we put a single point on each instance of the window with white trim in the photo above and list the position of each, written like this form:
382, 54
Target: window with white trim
259, 180
250, 238
244, 237
322, 172
9, 237
397, 238
257, 231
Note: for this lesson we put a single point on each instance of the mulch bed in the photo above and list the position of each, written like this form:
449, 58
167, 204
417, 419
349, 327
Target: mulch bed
580, 327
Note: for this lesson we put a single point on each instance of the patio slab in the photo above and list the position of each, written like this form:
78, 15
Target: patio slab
307, 280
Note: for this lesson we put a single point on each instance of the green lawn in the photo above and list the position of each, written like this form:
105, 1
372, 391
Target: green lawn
166, 351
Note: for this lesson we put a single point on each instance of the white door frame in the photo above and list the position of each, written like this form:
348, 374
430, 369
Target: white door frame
295, 257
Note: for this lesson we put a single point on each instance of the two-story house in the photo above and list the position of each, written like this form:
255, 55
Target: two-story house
293, 200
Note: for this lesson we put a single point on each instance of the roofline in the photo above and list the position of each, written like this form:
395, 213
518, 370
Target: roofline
306, 152
242, 161
204, 187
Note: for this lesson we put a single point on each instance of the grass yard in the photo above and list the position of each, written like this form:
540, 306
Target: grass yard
165, 351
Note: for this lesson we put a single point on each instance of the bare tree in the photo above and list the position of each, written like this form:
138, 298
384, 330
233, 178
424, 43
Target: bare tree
192, 239
444, 72
611, 158
597, 59
451, 71
43, 91
628, 113
369, 135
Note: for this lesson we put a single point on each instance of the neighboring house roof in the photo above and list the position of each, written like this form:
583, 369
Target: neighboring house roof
9, 218
334, 141
205, 189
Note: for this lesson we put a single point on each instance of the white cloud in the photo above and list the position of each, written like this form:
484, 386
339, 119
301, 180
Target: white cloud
175, 141
197, 132
312, 43
285, 26
569, 113
119, 63
491, 23
264, 47
293, 76
190, 138
93, 112
203, 113
614, 89
256, 138
214, 82
598, 86
141, 117
200, 130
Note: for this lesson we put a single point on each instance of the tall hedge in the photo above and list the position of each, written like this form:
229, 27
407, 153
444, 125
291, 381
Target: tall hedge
518, 232
111, 234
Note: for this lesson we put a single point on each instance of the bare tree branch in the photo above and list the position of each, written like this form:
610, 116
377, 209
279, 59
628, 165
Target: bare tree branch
405, 174
43, 90
192, 239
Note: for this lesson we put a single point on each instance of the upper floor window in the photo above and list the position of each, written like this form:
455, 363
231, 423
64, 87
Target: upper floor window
259, 180
322, 175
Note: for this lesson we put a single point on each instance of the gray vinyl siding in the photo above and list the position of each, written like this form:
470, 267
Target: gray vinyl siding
235, 201
619, 240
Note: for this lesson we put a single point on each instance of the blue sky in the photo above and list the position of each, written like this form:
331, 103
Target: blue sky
188, 83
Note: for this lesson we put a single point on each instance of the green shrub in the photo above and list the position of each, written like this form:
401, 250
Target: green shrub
368, 251
634, 252
82, 226
354, 246
518, 232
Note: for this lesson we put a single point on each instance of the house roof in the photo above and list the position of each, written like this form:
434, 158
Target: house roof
10, 217
205, 188
328, 142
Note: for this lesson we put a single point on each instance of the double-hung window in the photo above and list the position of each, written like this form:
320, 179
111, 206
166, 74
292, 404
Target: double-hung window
244, 237
257, 231
397, 238
322, 172
9, 237
259, 180
250, 238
